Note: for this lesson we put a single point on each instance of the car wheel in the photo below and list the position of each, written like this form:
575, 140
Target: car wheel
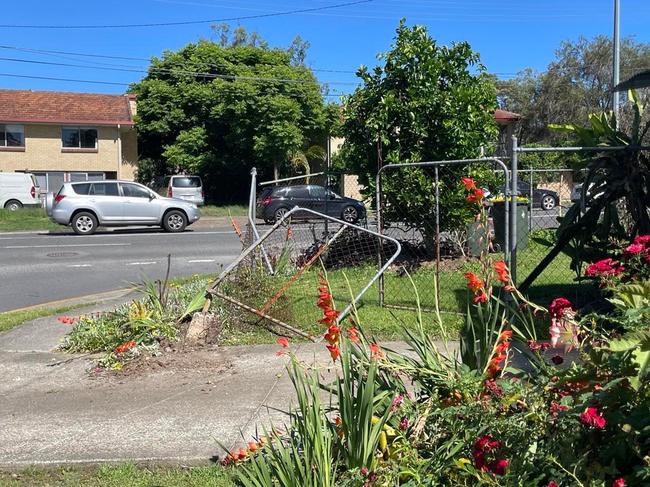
279, 214
350, 214
13, 205
84, 223
174, 221
548, 202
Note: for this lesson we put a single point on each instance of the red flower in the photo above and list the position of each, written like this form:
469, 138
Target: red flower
353, 334
469, 183
552, 484
605, 267
591, 417
376, 351
333, 335
125, 347
335, 352
481, 298
474, 283
558, 307
557, 408
283, 342
477, 196
485, 444
633, 249
534, 345
502, 271
498, 467
643, 240
619, 482
494, 388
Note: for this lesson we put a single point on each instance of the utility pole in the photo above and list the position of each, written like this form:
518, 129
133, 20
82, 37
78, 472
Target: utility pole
617, 57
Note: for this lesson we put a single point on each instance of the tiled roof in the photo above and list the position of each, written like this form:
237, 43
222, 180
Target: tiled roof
504, 117
26, 106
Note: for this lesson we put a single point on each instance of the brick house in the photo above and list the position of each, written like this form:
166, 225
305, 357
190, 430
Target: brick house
61, 136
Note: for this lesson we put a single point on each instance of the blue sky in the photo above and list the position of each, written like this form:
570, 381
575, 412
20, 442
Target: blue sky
510, 35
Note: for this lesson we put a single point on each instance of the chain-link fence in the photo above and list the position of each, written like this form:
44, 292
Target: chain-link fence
424, 207
276, 279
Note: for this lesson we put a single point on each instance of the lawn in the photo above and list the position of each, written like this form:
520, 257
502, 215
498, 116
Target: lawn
298, 305
234, 210
11, 319
117, 476
26, 219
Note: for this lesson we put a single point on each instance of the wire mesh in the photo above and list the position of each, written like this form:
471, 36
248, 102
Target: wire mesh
426, 210
303, 247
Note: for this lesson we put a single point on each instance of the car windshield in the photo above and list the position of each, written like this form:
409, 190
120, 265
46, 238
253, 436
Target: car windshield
187, 182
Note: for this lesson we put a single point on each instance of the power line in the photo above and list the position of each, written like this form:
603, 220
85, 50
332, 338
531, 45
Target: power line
127, 58
95, 82
187, 22
180, 72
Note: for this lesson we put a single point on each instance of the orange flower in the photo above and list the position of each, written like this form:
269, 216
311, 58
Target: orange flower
474, 283
502, 272
481, 298
505, 335
376, 352
329, 317
500, 354
289, 233
353, 334
477, 196
252, 446
335, 352
333, 335
469, 183
125, 347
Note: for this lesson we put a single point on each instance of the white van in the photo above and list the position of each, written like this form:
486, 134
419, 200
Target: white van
18, 189
184, 187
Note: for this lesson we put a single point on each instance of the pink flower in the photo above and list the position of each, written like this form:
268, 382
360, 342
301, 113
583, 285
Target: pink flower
591, 417
404, 424
619, 482
643, 240
633, 249
397, 402
552, 484
498, 467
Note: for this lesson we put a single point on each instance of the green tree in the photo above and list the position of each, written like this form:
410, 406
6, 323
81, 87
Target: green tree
576, 84
427, 102
220, 108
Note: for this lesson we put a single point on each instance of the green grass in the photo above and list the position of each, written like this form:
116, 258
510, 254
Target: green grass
126, 475
11, 319
26, 219
234, 210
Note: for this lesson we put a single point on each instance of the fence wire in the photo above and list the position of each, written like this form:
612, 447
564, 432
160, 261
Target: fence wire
301, 248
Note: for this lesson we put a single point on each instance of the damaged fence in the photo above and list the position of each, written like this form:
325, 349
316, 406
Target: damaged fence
276, 278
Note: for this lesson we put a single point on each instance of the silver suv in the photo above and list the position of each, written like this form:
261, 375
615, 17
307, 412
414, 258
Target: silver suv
87, 205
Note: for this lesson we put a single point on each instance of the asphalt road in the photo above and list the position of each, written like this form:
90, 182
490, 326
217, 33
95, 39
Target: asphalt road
38, 268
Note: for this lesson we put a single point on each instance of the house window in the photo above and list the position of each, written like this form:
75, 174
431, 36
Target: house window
12, 135
78, 138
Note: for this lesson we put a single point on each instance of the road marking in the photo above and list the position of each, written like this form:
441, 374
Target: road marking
200, 261
141, 263
80, 265
55, 246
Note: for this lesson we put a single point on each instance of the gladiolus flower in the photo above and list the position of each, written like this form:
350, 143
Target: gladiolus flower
283, 342
477, 196
481, 298
502, 271
474, 283
333, 335
252, 446
469, 183
335, 352
619, 482
353, 334
591, 417
376, 351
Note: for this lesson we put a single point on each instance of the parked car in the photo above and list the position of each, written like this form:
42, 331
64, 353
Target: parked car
576, 193
545, 199
188, 188
18, 189
274, 202
88, 205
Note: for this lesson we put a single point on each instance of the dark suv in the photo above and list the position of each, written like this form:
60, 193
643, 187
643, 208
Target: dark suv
275, 201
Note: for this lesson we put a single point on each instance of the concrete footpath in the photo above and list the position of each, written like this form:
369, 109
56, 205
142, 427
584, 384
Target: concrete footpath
177, 408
